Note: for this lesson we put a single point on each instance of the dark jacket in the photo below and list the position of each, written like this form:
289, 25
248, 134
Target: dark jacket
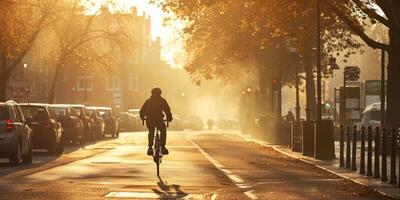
154, 109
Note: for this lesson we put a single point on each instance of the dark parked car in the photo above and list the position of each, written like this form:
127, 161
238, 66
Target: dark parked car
47, 131
98, 125
15, 134
127, 122
110, 120
88, 122
71, 124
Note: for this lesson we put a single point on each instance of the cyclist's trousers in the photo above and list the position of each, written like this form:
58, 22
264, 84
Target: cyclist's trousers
151, 125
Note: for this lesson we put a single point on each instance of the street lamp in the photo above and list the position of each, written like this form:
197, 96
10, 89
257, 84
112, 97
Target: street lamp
319, 93
249, 89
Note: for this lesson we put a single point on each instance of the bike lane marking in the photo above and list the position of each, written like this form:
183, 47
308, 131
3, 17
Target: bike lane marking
237, 180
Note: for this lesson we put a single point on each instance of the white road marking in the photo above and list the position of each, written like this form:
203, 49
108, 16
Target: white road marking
251, 194
149, 195
237, 180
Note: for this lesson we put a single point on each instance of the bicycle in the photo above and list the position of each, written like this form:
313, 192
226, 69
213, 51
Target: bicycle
157, 151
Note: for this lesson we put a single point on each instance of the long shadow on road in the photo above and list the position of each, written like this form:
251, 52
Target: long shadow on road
166, 191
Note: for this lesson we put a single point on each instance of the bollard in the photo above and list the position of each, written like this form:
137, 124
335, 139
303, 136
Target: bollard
362, 153
384, 177
377, 152
341, 146
354, 150
369, 154
348, 148
393, 145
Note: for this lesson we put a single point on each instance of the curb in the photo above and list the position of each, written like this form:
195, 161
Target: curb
266, 144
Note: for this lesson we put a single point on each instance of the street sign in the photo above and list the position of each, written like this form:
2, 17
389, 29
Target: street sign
352, 73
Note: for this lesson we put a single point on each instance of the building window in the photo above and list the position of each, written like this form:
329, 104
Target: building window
113, 83
85, 83
133, 83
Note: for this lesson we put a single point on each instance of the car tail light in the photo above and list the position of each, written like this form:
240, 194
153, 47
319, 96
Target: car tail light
9, 126
46, 124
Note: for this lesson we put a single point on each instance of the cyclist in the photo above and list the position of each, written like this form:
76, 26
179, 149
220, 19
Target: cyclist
153, 112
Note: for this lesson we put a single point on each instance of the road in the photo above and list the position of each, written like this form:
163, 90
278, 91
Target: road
201, 165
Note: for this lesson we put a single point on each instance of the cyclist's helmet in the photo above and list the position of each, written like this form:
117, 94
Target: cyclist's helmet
156, 91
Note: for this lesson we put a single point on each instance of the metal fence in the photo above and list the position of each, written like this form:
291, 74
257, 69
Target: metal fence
376, 145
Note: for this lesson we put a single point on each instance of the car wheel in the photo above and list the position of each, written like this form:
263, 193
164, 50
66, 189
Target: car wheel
27, 159
15, 158
52, 149
60, 149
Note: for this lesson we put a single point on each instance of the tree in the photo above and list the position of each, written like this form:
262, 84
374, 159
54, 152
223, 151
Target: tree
80, 47
20, 25
387, 13
221, 32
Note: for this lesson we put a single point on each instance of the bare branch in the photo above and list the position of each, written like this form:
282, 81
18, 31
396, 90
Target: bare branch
372, 43
371, 13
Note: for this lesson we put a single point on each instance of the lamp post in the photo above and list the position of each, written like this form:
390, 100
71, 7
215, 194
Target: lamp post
383, 99
319, 95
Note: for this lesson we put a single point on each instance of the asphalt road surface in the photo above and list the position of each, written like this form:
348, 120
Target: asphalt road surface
201, 165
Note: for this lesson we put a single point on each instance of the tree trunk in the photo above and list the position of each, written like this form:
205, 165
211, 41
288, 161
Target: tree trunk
52, 92
3, 85
311, 103
393, 94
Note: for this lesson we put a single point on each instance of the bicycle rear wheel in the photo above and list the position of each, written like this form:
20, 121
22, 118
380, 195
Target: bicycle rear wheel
157, 153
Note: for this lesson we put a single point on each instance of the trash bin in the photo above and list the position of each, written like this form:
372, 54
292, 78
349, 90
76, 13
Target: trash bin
296, 137
324, 148
308, 138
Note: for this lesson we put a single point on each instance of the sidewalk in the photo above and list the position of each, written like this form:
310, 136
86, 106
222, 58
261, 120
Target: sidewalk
333, 166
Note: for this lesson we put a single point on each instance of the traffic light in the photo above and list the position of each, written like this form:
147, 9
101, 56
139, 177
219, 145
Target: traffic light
275, 84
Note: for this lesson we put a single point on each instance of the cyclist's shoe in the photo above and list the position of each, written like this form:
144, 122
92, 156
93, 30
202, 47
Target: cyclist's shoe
150, 151
164, 151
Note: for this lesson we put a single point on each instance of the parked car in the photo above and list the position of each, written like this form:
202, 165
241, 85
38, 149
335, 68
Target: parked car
71, 124
111, 121
15, 134
134, 112
88, 122
371, 116
47, 131
98, 125
127, 122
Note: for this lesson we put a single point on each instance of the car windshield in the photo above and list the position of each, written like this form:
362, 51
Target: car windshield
105, 112
60, 111
35, 113
374, 115
4, 113
134, 112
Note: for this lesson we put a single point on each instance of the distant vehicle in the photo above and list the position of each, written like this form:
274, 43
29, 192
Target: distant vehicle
47, 131
371, 116
193, 123
88, 122
128, 122
99, 124
134, 112
71, 123
176, 124
15, 135
110, 120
